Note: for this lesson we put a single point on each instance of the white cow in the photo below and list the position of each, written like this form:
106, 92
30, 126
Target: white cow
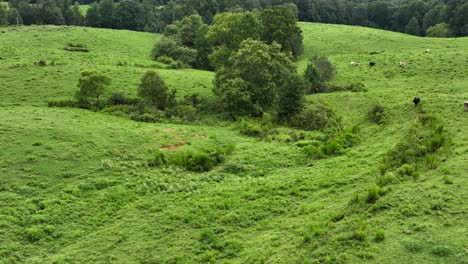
402, 64
428, 50
354, 63
466, 105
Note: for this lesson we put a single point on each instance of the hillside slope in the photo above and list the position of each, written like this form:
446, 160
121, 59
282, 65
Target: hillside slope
75, 186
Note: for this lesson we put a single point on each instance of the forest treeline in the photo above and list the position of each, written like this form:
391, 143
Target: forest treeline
435, 18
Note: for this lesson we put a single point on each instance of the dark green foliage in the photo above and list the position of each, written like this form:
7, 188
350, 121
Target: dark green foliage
76, 17
377, 114
76, 47
92, 85
425, 137
51, 13
372, 194
188, 29
129, 14
319, 70
334, 145
168, 47
318, 116
330, 88
291, 97
441, 251
438, 31
158, 158
413, 27
42, 63
279, 25
153, 90
106, 13
254, 127
249, 84
379, 235
92, 16
200, 160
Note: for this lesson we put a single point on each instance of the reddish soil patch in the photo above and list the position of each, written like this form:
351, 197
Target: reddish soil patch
174, 147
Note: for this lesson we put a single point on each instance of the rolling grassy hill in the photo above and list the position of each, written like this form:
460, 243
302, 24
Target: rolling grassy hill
75, 186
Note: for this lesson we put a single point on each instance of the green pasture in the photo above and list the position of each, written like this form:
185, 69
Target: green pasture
75, 185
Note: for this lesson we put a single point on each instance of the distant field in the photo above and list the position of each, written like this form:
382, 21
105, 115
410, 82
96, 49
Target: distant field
123, 55
75, 186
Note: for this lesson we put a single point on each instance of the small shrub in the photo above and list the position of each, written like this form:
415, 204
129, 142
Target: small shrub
372, 194
447, 180
156, 116
408, 170
314, 152
386, 179
251, 127
118, 98
413, 246
320, 116
34, 233
42, 63
377, 114
165, 59
157, 159
441, 251
359, 235
379, 235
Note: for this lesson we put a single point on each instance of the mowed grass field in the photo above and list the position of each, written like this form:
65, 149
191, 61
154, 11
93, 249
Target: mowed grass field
75, 186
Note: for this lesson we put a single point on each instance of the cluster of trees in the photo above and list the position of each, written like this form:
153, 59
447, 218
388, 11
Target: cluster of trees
192, 42
417, 17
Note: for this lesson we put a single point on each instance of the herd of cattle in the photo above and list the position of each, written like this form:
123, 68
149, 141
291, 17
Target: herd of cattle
402, 64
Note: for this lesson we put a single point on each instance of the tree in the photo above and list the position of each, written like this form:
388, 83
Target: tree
438, 31
227, 33
153, 89
92, 16
248, 83
3, 15
291, 97
106, 13
51, 13
280, 26
92, 85
76, 17
130, 15
188, 29
319, 70
413, 27
459, 21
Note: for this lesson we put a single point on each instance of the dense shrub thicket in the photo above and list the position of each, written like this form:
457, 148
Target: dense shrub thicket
419, 17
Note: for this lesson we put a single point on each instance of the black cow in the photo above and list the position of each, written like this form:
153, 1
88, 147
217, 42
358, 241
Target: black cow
372, 64
416, 100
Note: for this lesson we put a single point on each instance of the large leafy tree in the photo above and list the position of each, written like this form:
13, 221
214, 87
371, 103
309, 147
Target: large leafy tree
51, 13
280, 25
153, 90
227, 33
106, 13
130, 14
92, 16
92, 85
188, 29
413, 27
248, 84
3, 15
76, 17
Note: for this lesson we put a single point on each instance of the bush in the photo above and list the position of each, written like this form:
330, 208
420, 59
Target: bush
42, 63
377, 114
156, 116
379, 235
165, 59
386, 179
330, 88
441, 251
408, 170
372, 193
119, 98
425, 137
320, 116
157, 159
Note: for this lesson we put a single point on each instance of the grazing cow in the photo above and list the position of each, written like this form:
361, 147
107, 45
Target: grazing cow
371, 64
428, 50
416, 100
466, 105
354, 63
402, 64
